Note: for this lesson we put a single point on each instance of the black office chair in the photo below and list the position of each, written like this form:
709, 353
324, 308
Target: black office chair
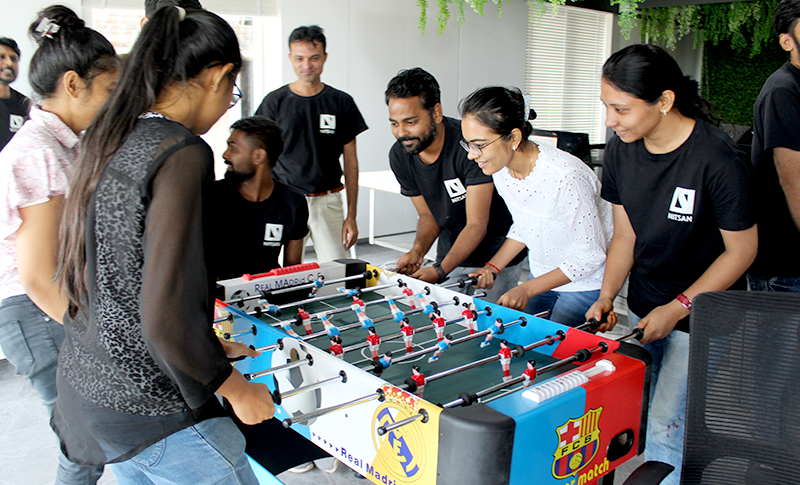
743, 403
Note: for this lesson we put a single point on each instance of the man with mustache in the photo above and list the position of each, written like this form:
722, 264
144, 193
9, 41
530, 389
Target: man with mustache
455, 201
14, 106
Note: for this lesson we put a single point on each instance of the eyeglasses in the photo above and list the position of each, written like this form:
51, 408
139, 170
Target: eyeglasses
236, 96
478, 149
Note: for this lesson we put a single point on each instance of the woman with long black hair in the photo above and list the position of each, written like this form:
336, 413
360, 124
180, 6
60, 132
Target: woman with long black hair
683, 221
141, 364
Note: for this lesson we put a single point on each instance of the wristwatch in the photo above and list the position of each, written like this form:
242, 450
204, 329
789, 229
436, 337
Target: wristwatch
442, 275
686, 302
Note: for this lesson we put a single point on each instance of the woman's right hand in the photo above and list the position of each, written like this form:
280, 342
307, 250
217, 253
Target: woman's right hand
602, 307
485, 278
254, 405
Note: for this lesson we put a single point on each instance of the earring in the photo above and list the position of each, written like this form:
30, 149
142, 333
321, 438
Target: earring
514, 148
664, 112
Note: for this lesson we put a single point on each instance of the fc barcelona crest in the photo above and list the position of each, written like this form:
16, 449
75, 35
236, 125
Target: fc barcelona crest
578, 440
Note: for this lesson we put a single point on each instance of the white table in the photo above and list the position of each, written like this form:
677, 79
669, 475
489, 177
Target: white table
385, 181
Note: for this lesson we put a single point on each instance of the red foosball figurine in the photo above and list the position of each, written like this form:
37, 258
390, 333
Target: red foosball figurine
357, 303
409, 294
530, 373
374, 342
408, 335
469, 318
336, 347
505, 359
438, 325
304, 318
419, 378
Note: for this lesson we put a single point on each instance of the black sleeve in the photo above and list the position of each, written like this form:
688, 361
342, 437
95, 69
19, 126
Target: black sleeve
399, 165
608, 189
354, 122
176, 301
268, 107
300, 226
781, 117
729, 187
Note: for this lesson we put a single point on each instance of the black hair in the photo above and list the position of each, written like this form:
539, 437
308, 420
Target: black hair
448, 337
504, 342
66, 44
645, 71
11, 44
168, 51
786, 14
532, 362
371, 330
308, 33
388, 353
151, 6
265, 132
415, 82
500, 109
415, 367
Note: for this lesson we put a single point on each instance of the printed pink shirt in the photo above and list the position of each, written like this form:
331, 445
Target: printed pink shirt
34, 166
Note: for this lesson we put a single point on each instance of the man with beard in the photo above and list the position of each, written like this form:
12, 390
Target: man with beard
260, 215
14, 106
455, 201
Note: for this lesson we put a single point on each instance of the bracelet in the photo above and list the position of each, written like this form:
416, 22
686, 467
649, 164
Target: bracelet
442, 275
493, 266
685, 301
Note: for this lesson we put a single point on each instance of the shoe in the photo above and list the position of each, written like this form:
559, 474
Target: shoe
328, 465
305, 467
507, 378
432, 359
484, 344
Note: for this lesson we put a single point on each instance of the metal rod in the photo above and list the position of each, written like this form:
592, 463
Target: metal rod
342, 377
302, 418
423, 414
272, 370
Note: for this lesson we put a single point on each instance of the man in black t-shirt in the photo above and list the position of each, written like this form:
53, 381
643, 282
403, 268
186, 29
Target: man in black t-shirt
262, 215
14, 107
319, 124
454, 199
776, 164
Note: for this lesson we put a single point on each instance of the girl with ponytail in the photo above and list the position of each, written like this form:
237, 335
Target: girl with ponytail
72, 73
683, 221
555, 201
141, 363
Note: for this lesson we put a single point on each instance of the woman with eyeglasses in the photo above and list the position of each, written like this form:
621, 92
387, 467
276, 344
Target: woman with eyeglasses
555, 201
684, 221
141, 364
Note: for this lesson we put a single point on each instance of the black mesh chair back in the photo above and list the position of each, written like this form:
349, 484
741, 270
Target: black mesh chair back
743, 403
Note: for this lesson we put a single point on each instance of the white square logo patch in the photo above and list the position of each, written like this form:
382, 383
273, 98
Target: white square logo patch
15, 122
273, 235
456, 190
682, 201
327, 124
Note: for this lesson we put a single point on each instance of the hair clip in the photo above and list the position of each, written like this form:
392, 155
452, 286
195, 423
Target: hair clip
181, 13
529, 111
47, 28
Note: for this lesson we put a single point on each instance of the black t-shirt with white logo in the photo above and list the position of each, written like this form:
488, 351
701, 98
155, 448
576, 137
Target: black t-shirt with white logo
677, 202
443, 184
13, 113
250, 234
776, 124
315, 131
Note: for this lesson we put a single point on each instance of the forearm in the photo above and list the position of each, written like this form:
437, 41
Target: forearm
351, 189
507, 252
727, 268
292, 252
618, 266
427, 232
466, 242
546, 282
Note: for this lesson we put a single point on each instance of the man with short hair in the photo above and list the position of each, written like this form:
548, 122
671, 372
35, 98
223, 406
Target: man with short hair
262, 215
455, 200
320, 124
776, 164
14, 107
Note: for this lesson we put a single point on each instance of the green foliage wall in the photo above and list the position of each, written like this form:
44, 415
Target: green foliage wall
732, 79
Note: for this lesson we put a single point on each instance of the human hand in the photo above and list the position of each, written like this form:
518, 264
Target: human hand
603, 306
254, 405
349, 232
485, 278
409, 263
235, 350
661, 321
428, 274
515, 298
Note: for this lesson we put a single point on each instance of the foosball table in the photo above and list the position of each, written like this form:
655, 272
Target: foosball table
407, 382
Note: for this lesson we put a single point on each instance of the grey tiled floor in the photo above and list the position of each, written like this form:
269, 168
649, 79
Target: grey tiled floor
29, 449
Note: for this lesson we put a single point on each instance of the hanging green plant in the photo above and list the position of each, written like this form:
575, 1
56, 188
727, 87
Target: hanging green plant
745, 24
628, 11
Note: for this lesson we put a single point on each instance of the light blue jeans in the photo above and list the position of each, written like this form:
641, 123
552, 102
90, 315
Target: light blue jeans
209, 453
566, 307
503, 281
666, 418
786, 284
30, 341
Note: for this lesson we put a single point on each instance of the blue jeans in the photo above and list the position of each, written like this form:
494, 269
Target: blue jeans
566, 307
779, 283
30, 341
210, 452
666, 418
503, 281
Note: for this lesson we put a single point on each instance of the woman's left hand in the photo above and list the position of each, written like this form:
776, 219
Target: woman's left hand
235, 350
515, 298
661, 321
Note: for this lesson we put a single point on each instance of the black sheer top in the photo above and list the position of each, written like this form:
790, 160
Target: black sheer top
143, 361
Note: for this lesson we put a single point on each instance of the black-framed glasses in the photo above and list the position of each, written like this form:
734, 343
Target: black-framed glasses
236, 96
478, 149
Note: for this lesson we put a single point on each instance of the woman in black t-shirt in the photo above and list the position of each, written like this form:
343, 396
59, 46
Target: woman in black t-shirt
683, 221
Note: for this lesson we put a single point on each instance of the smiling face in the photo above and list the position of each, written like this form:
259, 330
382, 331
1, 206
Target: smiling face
631, 118
307, 60
412, 125
9, 65
496, 151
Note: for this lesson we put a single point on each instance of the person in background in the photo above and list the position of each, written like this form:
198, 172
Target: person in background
454, 200
72, 73
268, 215
684, 223
776, 164
137, 387
555, 201
14, 107
320, 124
151, 6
